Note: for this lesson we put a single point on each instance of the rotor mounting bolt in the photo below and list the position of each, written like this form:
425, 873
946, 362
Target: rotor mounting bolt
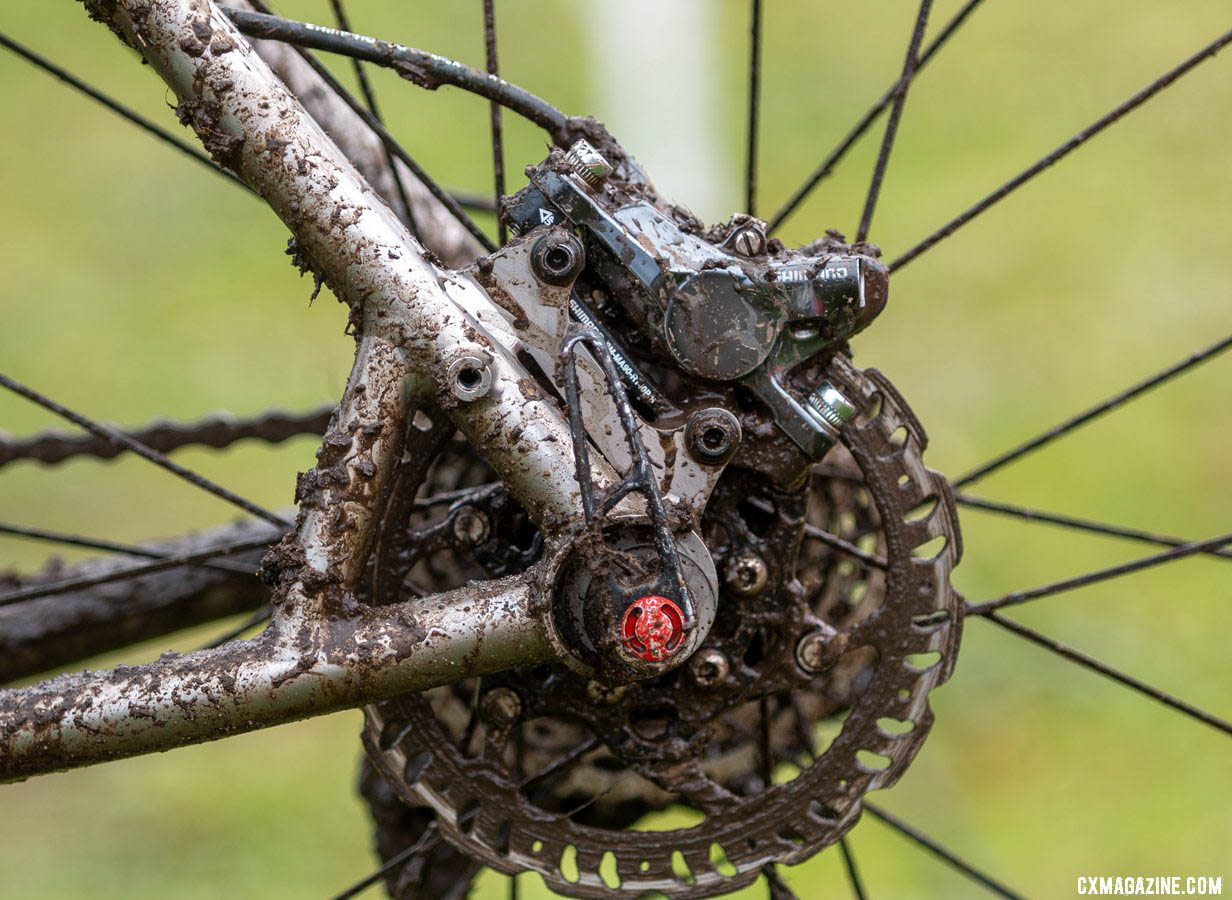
470, 526
747, 574
811, 652
501, 706
588, 164
652, 628
712, 435
469, 377
709, 667
599, 692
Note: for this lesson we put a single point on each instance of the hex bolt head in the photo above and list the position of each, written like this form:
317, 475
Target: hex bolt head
501, 706
747, 574
709, 667
468, 377
557, 258
470, 526
712, 435
811, 652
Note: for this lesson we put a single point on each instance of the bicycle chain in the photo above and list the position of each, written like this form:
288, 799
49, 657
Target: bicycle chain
218, 431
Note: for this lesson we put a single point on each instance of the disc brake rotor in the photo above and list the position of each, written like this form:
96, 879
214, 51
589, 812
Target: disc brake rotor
835, 620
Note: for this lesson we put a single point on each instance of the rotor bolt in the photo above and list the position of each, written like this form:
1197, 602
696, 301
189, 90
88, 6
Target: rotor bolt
811, 652
588, 164
709, 667
501, 706
747, 574
469, 377
712, 435
599, 692
470, 526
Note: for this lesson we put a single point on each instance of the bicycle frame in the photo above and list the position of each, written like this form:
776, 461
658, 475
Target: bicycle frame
322, 651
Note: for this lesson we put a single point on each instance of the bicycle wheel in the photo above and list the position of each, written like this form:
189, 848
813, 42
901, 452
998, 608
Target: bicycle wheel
948, 382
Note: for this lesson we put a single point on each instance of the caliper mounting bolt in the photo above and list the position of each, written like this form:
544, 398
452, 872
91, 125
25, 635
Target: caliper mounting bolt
712, 435
588, 164
557, 258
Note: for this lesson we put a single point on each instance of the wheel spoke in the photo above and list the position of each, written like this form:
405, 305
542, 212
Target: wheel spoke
472, 201
775, 884
1076, 656
120, 109
833, 540
76, 540
896, 112
1116, 400
1036, 515
853, 874
258, 617
111, 434
750, 170
940, 852
572, 755
429, 834
365, 88
765, 758
1065, 149
494, 115
1056, 587
170, 562
836, 155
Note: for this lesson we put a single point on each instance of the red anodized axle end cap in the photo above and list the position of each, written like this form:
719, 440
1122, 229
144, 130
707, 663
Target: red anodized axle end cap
652, 628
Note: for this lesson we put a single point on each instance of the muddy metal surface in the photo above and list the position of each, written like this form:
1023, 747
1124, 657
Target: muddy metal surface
323, 650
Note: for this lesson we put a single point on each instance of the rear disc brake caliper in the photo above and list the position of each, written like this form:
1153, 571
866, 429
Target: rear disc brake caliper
735, 308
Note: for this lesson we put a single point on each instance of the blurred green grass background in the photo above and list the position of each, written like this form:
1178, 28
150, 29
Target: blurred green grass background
134, 284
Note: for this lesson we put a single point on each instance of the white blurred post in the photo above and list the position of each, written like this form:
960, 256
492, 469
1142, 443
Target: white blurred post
654, 65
